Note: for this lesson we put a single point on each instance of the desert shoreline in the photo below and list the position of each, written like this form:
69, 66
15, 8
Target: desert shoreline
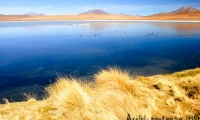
188, 21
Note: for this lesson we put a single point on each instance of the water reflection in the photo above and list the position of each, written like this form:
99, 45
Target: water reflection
33, 52
105, 25
142, 28
182, 28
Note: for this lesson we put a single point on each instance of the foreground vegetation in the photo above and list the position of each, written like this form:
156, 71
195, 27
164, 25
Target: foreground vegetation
114, 95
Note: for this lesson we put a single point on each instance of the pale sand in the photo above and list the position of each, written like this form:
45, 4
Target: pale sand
188, 17
190, 21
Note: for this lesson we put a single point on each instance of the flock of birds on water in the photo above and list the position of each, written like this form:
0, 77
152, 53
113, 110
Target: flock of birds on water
115, 32
89, 25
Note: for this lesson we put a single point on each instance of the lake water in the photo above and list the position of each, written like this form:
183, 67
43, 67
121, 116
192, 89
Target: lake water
34, 53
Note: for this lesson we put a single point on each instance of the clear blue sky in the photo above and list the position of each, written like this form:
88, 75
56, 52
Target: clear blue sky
133, 7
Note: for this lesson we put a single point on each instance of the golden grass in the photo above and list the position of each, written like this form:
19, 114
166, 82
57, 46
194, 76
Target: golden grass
114, 95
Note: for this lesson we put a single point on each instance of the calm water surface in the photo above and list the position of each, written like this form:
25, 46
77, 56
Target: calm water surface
35, 52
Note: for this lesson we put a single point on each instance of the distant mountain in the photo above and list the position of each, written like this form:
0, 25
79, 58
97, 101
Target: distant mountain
34, 14
185, 9
123, 14
184, 13
96, 11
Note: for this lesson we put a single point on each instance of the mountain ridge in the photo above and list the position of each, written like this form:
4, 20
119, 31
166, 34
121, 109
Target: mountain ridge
185, 13
34, 14
96, 11
185, 9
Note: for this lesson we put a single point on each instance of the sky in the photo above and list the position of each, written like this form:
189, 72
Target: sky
63, 7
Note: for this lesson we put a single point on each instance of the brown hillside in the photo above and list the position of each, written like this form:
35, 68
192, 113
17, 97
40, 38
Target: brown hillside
11, 17
184, 13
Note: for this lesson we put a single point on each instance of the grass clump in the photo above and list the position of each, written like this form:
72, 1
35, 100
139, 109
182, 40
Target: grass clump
114, 95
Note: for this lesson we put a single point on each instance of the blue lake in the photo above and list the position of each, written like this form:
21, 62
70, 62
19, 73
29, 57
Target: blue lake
35, 52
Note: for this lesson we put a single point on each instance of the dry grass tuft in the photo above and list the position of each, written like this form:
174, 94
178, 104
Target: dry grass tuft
114, 95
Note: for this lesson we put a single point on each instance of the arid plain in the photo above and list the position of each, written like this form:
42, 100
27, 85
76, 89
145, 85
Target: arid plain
182, 16
185, 13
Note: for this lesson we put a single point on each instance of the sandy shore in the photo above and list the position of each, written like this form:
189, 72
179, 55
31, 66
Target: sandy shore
189, 17
145, 20
191, 21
